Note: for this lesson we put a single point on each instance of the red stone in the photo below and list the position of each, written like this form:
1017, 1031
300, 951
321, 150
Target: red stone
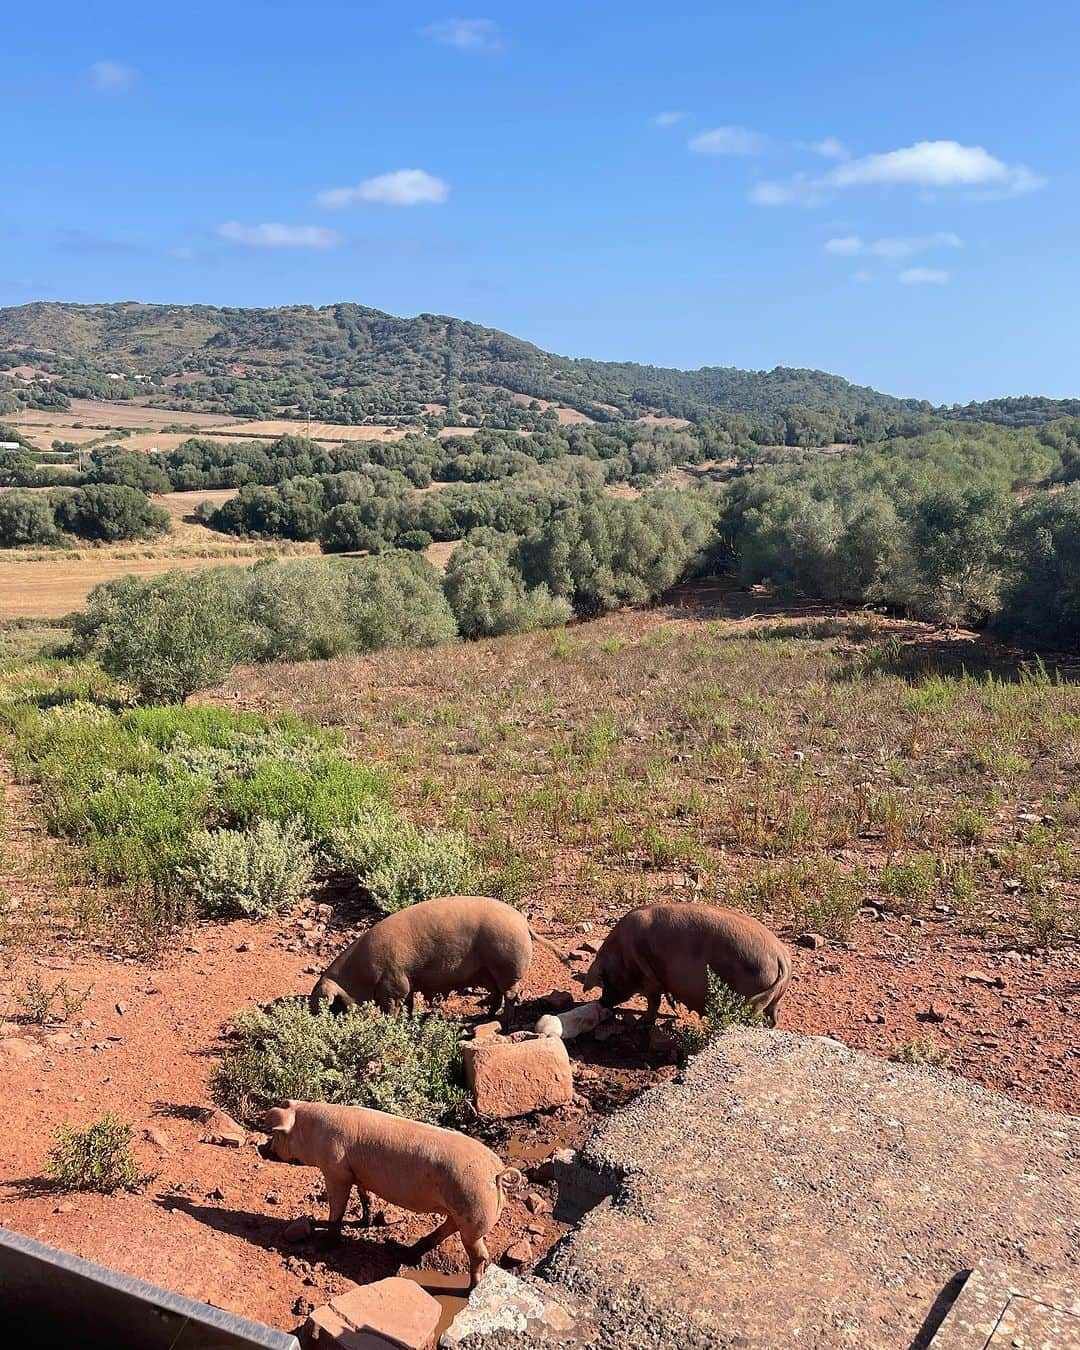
393, 1314
513, 1078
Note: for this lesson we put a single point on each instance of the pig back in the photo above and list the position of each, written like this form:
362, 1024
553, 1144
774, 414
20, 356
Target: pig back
446, 944
423, 1168
681, 943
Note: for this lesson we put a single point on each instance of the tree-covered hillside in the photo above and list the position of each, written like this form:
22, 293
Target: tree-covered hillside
346, 363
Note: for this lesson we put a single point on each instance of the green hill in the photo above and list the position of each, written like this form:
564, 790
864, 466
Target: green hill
350, 364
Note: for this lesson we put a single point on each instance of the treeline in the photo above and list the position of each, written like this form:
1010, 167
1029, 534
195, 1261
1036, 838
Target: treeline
949, 527
170, 635
103, 512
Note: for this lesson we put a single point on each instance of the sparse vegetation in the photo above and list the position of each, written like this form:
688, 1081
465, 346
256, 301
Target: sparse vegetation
407, 1066
44, 1006
98, 1158
925, 1050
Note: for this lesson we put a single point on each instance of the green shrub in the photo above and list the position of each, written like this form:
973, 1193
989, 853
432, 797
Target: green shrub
26, 518
98, 1158
399, 865
489, 598
1042, 594
165, 636
247, 873
407, 1066
723, 1008
110, 512
322, 795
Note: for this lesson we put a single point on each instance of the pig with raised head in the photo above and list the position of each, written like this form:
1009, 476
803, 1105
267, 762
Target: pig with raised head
418, 1167
660, 950
434, 947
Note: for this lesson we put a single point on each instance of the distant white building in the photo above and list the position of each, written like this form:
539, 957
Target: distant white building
10, 445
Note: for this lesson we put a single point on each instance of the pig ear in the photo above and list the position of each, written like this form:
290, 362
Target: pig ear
280, 1118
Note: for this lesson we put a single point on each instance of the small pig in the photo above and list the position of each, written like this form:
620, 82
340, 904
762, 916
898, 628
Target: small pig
434, 947
418, 1167
574, 1022
668, 950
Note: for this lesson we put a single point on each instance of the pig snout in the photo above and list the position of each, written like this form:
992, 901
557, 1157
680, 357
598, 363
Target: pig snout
266, 1150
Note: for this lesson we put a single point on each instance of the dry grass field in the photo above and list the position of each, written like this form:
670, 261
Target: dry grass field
49, 583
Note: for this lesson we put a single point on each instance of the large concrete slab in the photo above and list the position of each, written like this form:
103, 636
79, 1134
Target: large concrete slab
792, 1192
1002, 1309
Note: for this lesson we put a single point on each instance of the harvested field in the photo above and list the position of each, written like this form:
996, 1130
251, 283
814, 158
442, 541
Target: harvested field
48, 583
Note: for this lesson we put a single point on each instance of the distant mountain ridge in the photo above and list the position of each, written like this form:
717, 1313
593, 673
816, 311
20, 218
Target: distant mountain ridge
348, 363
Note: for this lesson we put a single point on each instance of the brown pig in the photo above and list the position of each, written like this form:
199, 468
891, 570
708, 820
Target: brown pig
435, 947
669, 949
418, 1167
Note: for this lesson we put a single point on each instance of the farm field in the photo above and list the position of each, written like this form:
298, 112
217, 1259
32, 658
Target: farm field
900, 799
48, 583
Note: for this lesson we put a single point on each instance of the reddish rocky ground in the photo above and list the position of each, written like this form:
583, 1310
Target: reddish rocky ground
499, 738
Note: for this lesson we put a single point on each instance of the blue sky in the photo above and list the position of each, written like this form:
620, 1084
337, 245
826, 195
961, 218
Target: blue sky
887, 191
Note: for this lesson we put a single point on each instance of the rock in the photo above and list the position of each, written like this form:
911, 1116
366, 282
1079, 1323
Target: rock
482, 1031
19, 1049
272, 1198
299, 1230
934, 1013
512, 1078
222, 1129
981, 977
242, 947
158, 1138
56, 1039
519, 1253
535, 1203
121, 1008
811, 940
393, 1313
502, 1303
590, 945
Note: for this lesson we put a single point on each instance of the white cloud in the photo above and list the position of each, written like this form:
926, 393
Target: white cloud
936, 164
927, 164
923, 276
278, 236
798, 190
112, 77
893, 246
403, 187
828, 148
668, 119
467, 35
727, 141
862, 276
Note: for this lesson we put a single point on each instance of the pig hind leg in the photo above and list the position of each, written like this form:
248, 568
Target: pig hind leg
479, 1258
423, 1245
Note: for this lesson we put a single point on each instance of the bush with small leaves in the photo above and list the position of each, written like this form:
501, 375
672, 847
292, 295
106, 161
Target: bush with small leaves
98, 1158
404, 1065
723, 1008
248, 873
165, 636
399, 865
